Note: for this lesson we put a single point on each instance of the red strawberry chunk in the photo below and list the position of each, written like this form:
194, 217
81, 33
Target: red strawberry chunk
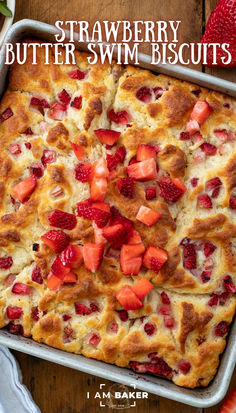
83, 173
77, 102
36, 169
14, 312
100, 169
142, 288
164, 298
169, 321
61, 219
213, 184
145, 152
158, 92
228, 284
154, 258
64, 97
123, 315
143, 171
130, 266
94, 340
149, 329
107, 136
72, 256
151, 192
138, 366
66, 317
76, 74
121, 153
194, 182
78, 150
59, 269
184, 136
15, 329
82, 309
171, 189
113, 326
111, 233
221, 329
6, 114
35, 314
21, 289
213, 300
49, 156
6, 262
144, 94
54, 282
39, 102
92, 254
25, 188
232, 202
100, 216
112, 162
205, 276
184, 366
208, 148
57, 111
27, 145
10, 280
57, 240
189, 257
165, 309
128, 299
201, 111
84, 209
204, 201
36, 275
147, 216
223, 298
14, 149
126, 186
98, 189
221, 134
209, 248
192, 127
28, 131
118, 117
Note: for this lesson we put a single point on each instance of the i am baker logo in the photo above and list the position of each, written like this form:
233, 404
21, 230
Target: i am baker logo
117, 396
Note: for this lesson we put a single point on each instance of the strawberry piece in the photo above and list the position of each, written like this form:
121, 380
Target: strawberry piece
107, 136
118, 117
54, 282
130, 266
164, 298
158, 92
57, 111
113, 326
118, 157
128, 299
111, 233
82, 309
35, 314
61, 219
221, 134
154, 258
104, 206
169, 321
221, 329
165, 310
83, 173
143, 171
126, 186
78, 150
192, 127
100, 216
171, 189
21, 289
25, 188
70, 277
213, 300
204, 201
128, 251
151, 192
39, 102
72, 256
208, 149
194, 182
98, 237
92, 254
214, 185
6, 262
77, 102
184, 366
76, 74
144, 94
120, 153
147, 216
14, 149
15, 329
6, 114
36, 275
84, 209
142, 288
98, 189
56, 240
100, 169
184, 136
36, 169
134, 238
145, 152
205, 276
64, 97
94, 340
133, 160
149, 329
66, 317
27, 145
59, 269
189, 256
209, 248
10, 280
201, 111
49, 156
232, 202
28, 131
228, 284
123, 315
14, 312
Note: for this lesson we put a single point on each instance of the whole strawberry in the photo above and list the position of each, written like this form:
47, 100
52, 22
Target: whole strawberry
221, 28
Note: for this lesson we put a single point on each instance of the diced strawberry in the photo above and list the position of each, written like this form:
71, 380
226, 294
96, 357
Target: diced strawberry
84, 209
142, 288
231, 136
149, 329
70, 277
104, 206
205, 276
14, 312
145, 152
209, 248
126, 186
128, 299
66, 317
35, 313
223, 298
154, 258
62, 219
158, 92
107, 136
36, 169
192, 127
54, 282
77, 102
57, 111
134, 238
214, 185
6, 262
21, 289
151, 192
111, 233
232, 202
78, 150
228, 284
57, 240
221, 329
169, 321
6, 114
204, 201
100, 216
213, 300
144, 94
197, 138
92, 254
27, 145
94, 340
36, 275
194, 182
129, 251
165, 309
164, 298
14, 149
72, 256
59, 269
28, 131
82, 309
208, 148
98, 189
184, 366
184, 136
221, 134
201, 111
113, 326
98, 237
130, 266
100, 169
49, 156
39, 102
189, 256
25, 188
147, 216
15, 329
10, 280
209, 264
121, 153
76, 74
143, 171
171, 189
123, 315
83, 173
133, 160
199, 157
64, 97
118, 117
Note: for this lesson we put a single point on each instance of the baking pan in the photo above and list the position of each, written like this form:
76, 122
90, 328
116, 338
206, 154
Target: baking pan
200, 397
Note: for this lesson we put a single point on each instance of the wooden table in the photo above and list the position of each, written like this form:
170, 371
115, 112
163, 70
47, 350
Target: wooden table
58, 389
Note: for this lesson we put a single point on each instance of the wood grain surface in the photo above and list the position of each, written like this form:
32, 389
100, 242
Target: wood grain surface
58, 389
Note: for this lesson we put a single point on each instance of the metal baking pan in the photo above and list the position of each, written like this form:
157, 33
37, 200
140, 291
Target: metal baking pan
200, 397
